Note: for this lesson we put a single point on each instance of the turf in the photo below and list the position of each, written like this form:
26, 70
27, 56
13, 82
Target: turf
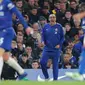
42, 83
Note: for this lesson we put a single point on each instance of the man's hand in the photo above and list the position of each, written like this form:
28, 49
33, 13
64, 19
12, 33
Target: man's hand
57, 46
29, 30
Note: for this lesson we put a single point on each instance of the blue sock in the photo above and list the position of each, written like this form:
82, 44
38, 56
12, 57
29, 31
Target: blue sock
82, 62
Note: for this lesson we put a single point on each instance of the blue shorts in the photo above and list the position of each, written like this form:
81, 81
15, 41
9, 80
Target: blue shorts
6, 37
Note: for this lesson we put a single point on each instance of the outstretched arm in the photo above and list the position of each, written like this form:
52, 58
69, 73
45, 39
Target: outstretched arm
12, 8
79, 16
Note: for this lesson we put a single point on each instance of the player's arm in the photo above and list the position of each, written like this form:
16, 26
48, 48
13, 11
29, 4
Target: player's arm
81, 13
79, 16
62, 37
43, 37
13, 9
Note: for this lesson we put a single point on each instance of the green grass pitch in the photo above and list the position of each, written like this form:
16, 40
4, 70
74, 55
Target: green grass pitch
42, 83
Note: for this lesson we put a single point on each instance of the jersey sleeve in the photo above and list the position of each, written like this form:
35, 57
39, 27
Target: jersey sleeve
12, 8
62, 35
43, 35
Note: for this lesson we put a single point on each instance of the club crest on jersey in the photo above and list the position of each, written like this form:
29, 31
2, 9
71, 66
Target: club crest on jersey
56, 31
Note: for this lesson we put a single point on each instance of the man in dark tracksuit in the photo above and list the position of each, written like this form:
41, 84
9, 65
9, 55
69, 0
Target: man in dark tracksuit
53, 37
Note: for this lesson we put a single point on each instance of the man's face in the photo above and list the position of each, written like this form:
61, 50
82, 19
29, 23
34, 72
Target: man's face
19, 4
46, 3
68, 15
52, 18
35, 65
62, 6
20, 39
66, 58
31, 2
57, 5
20, 27
24, 59
35, 27
28, 49
73, 4
68, 27
45, 11
34, 11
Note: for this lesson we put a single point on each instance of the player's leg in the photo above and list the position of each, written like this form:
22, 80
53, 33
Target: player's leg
79, 75
55, 57
10, 61
43, 62
1, 50
82, 58
82, 62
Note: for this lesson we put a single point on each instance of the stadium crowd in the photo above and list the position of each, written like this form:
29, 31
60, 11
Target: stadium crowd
27, 50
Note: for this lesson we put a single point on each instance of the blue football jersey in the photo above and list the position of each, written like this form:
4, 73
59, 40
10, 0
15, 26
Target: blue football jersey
6, 10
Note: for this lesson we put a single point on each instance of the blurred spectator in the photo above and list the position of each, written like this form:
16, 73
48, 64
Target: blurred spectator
74, 6
56, 7
20, 34
34, 17
60, 15
20, 27
36, 34
76, 39
72, 31
19, 39
19, 5
30, 5
67, 31
24, 62
42, 21
69, 49
80, 32
45, 12
66, 63
20, 49
46, 3
37, 37
68, 19
30, 54
76, 51
37, 3
35, 64
66, 2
